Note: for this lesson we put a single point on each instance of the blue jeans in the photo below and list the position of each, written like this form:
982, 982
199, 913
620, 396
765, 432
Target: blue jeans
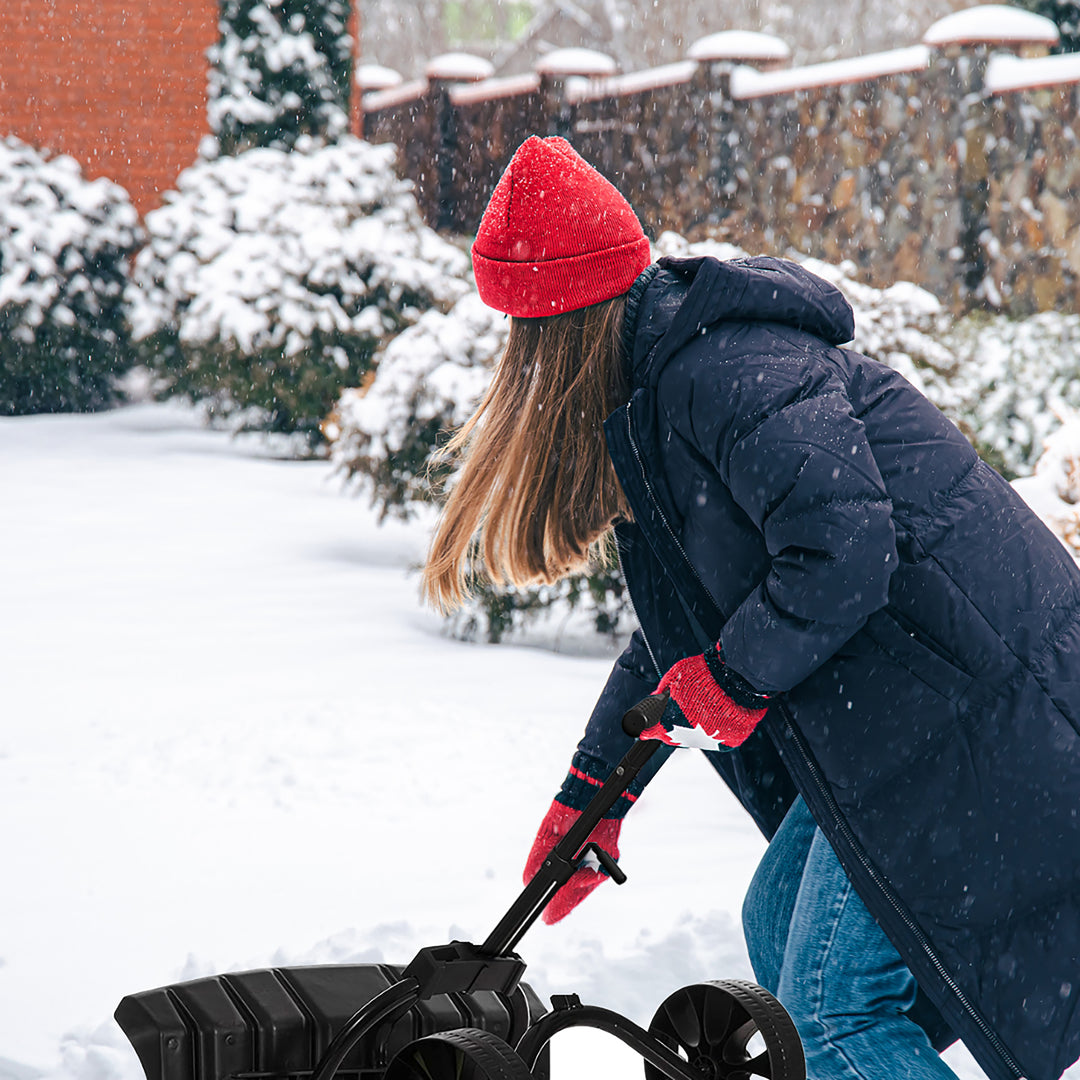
816, 947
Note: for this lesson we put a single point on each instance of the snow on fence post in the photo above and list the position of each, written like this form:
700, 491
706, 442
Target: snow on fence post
368, 77
763, 52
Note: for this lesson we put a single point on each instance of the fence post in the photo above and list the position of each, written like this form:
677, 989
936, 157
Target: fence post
961, 45
558, 70
442, 73
368, 77
721, 156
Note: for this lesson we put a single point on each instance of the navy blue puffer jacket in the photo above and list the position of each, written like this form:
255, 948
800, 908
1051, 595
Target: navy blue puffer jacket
810, 509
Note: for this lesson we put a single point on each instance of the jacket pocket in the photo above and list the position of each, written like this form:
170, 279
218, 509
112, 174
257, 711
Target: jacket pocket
917, 654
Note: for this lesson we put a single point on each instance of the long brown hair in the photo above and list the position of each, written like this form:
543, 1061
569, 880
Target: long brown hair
536, 487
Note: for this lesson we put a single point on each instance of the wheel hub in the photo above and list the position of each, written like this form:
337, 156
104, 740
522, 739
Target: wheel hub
705, 1066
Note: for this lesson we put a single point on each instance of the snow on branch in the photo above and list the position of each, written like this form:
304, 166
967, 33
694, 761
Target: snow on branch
272, 277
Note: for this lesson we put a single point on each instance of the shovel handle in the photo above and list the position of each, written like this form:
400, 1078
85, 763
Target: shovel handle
559, 866
643, 715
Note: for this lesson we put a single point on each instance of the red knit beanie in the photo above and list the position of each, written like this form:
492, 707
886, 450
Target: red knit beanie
556, 236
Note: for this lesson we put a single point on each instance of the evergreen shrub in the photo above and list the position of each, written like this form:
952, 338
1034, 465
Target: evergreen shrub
271, 278
429, 380
281, 70
65, 250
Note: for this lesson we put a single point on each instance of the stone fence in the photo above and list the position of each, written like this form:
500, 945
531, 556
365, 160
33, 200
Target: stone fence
954, 163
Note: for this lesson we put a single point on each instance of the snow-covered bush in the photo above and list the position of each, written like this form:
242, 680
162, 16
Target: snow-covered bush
65, 248
280, 70
1053, 490
1004, 381
428, 382
1015, 378
271, 278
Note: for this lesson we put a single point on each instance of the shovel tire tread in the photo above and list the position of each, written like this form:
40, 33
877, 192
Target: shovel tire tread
490, 1058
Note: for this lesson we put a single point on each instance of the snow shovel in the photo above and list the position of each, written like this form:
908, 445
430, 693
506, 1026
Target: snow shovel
457, 1011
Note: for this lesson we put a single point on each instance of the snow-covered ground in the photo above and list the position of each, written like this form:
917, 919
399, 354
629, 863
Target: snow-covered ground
232, 738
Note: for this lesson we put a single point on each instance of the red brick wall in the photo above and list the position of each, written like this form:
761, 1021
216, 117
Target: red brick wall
120, 85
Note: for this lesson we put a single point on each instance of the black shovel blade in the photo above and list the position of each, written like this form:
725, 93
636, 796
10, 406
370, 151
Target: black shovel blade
277, 1022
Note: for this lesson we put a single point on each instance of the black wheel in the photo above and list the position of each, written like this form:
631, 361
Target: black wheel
729, 1030
460, 1054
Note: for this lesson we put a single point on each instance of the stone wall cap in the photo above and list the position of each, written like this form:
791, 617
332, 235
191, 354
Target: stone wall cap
1008, 73
635, 82
377, 100
748, 83
587, 62
459, 67
492, 89
739, 45
992, 24
376, 77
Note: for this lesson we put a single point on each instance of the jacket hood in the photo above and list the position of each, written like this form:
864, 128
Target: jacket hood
675, 299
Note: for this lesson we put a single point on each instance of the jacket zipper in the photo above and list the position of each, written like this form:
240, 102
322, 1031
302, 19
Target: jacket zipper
841, 823
644, 636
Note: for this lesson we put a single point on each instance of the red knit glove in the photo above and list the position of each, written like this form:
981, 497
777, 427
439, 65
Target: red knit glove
703, 711
554, 827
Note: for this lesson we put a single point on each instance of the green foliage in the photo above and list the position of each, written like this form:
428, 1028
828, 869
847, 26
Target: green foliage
472, 21
65, 245
595, 601
63, 368
281, 69
266, 389
1012, 381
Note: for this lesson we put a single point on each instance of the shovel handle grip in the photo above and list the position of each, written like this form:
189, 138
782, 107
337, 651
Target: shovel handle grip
644, 714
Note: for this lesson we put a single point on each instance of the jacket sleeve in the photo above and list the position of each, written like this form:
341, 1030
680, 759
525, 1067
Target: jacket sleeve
784, 438
604, 742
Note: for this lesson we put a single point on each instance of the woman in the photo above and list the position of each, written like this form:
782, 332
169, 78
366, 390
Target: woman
875, 640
